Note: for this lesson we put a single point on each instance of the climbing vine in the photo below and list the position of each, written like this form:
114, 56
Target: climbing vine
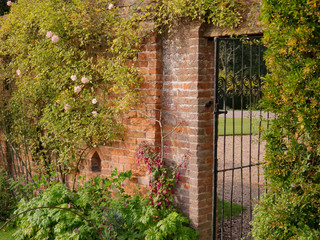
217, 12
64, 72
66, 64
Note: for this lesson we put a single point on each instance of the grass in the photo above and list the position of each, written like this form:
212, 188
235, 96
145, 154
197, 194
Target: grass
245, 123
7, 234
236, 209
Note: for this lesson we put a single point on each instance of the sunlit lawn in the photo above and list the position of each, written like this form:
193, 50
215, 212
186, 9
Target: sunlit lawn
241, 126
236, 209
6, 235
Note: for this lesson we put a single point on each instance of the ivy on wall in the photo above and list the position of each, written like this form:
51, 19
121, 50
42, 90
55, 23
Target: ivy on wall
290, 210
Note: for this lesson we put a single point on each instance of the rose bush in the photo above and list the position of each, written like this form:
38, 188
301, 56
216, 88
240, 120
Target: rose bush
61, 59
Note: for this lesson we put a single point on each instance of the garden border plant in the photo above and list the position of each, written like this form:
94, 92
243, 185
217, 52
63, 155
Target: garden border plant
104, 205
64, 209
290, 208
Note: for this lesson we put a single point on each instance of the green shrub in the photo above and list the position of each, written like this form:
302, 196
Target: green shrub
290, 210
7, 200
103, 202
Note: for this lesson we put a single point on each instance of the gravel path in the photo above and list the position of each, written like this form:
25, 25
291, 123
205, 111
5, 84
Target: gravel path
230, 186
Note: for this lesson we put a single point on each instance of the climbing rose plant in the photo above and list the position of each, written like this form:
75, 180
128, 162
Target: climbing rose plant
65, 73
66, 64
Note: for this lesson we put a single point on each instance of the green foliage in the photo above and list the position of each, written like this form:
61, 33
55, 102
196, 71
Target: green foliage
290, 210
104, 203
69, 88
173, 226
90, 201
217, 12
65, 66
7, 200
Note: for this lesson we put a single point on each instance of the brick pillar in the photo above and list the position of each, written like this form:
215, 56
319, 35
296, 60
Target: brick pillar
187, 87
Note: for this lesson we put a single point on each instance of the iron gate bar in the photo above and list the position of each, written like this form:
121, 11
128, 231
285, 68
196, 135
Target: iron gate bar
224, 129
238, 87
241, 141
250, 141
215, 141
241, 167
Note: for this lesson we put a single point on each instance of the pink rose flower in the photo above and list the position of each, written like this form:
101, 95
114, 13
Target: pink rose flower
84, 80
94, 113
49, 34
9, 3
94, 101
18, 72
77, 89
67, 107
55, 38
73, 77
110, 6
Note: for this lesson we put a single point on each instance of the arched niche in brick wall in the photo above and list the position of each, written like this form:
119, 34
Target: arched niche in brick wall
95, 163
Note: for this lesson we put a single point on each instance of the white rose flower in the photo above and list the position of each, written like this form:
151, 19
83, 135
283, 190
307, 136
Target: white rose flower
55, 38
110, 6
94, 101
94, 113
67, 107
49, 34
77, 89
84, 80
73, 77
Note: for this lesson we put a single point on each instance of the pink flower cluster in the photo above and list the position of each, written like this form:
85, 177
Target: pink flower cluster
162, 178
54, 38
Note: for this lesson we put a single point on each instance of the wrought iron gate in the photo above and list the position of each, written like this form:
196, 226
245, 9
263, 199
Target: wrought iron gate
238, 121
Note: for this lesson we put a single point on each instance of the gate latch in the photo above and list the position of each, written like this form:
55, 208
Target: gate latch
221, 112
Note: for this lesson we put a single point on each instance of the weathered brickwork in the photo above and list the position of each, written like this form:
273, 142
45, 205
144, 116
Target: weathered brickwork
139, 122
178, 73
187, 87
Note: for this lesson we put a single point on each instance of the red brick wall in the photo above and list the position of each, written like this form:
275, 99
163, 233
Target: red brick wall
139, 122
187, 87
178, 73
